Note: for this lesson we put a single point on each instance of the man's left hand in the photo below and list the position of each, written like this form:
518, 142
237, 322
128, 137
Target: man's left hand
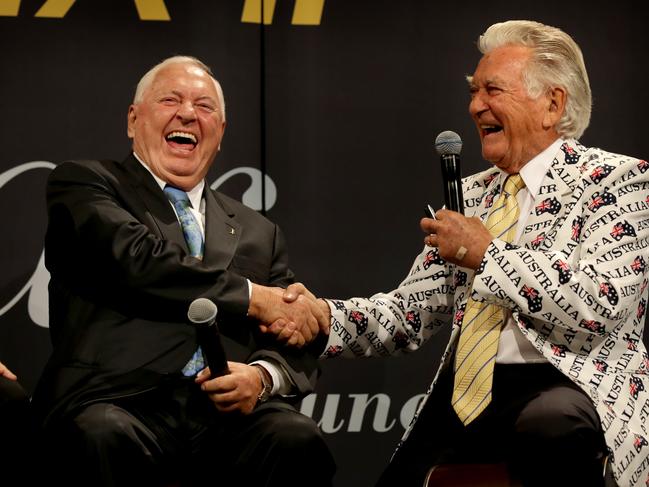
461, 240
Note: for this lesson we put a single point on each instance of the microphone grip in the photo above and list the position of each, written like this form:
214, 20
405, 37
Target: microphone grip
452, 183
209, 339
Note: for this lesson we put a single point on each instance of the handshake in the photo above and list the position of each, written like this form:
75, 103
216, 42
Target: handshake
294, 315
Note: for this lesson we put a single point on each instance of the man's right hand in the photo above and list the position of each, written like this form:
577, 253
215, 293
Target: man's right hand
293, 293
295, 322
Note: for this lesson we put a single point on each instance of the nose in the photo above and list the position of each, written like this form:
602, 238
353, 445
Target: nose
186, 112
477, 104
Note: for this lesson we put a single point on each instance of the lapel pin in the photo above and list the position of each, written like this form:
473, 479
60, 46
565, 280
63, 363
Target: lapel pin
231, 231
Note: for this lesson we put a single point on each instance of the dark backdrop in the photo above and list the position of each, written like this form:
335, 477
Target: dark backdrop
340, 115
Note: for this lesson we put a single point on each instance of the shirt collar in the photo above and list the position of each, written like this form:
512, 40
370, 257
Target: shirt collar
195, 194
534, 171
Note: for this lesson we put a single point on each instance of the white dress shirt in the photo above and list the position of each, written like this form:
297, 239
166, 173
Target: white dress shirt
513, 347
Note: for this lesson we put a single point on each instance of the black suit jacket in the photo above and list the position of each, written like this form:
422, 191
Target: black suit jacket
122, 281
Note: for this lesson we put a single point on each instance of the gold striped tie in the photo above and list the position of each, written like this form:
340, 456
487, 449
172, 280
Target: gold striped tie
478, 345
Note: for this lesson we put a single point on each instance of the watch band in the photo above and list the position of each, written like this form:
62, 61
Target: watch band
266, 383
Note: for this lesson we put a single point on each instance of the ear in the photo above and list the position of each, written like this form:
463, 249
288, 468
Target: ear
130, 121
222, 132
556, 98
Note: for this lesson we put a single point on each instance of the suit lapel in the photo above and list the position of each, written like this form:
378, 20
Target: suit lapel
552, 202
222, 231
160, 211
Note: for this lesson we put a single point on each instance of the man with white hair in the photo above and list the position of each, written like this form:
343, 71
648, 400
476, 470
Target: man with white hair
125, 398
544, 281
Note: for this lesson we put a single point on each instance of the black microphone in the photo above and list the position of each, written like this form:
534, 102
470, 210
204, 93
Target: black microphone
448, 145
202, 314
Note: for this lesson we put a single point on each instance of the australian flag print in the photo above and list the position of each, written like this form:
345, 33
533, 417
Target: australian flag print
571, 155
400, 340
491, 196
533, 298
413, 320
605, 289
601, 199
536, 241
360, 320
600, 365
548, 205
635, 386
487, 181
333, 351
593, 326
600, 172
638, 265
622, 229
432, 257
642, 307
564, 270
459, 279
576, 228
638, 442
559, 350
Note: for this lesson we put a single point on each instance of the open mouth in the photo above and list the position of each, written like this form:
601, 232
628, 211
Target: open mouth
182, 140
490, 129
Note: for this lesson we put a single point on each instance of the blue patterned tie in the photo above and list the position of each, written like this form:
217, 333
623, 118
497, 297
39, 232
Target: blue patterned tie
194, 239
191, 228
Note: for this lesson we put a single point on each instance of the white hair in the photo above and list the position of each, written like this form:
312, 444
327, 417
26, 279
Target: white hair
556, 61
150, 75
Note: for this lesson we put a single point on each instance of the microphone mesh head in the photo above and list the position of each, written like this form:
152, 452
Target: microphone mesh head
448, 142
202, 310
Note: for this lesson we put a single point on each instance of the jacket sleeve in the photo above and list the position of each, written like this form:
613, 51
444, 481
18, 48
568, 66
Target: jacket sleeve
398, 321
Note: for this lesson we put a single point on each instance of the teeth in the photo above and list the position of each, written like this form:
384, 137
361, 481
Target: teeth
185, 135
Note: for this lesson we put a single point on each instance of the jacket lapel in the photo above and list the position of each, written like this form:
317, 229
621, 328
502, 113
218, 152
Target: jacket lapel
552, 203
222, 231
161, 214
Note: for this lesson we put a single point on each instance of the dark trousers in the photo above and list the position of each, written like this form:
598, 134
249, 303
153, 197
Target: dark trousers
541, 424
17, 434
175, 436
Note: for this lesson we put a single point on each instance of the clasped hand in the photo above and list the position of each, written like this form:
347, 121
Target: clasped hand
294, 316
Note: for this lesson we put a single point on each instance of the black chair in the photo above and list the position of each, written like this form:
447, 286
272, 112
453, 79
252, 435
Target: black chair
470, 475
488, 475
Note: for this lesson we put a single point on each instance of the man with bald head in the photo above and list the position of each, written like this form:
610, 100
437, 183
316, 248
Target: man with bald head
125, 398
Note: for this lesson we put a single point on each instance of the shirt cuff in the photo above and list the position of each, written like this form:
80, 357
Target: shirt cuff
282, 384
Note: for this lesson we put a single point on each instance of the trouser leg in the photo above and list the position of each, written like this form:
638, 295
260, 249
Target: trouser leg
558, 440
106, 446
275, 447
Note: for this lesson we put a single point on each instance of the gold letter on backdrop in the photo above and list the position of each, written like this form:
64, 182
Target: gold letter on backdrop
55, 9
305, 12
146, 9
252, 11
9, 8
152, 10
